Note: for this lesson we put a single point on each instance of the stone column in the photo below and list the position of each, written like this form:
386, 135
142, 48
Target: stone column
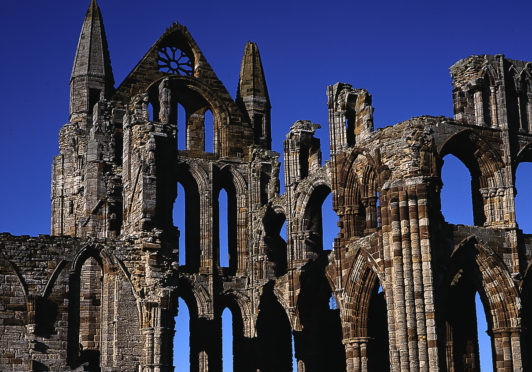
356, 353
529, 112
507, 349
479, 108
370, 204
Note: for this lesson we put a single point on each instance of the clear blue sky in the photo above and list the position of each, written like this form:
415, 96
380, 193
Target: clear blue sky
399, 50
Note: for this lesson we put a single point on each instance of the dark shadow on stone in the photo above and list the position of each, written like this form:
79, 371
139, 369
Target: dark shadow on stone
38, 366
45, 317
320, 343
274, 334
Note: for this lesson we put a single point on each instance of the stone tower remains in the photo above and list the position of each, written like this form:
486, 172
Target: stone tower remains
101, 293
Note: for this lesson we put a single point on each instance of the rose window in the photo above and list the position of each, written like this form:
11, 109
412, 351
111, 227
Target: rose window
175, 61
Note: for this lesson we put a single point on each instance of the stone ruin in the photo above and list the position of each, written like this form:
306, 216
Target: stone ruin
101, 293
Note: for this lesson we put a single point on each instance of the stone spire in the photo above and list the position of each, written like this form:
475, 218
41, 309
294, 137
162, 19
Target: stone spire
252, 95
91, 73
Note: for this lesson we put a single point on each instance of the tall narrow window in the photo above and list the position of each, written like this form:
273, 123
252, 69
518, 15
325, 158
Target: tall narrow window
484, 341
182, 338
227, 340
150, 112
329, 223
186, 217
182, 143
209, 131
180, 222
523, 199
223, 229
225, 226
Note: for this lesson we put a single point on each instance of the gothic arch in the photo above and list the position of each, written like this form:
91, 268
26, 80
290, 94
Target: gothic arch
357, 204
475, 267
196, 97
524, 155
306, 191
233, 182
196, 292
493, 279
487, 173
243, 326
194, 182
360, 284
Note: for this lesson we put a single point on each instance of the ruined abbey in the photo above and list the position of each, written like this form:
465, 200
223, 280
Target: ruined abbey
101, 292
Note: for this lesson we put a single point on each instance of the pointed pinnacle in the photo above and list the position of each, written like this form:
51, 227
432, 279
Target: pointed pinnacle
252, 81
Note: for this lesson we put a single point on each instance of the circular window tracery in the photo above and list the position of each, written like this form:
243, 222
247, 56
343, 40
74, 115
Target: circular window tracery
175, 61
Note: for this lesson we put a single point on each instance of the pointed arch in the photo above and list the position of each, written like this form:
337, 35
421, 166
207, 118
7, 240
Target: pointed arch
474, 267
229, 179
487, 174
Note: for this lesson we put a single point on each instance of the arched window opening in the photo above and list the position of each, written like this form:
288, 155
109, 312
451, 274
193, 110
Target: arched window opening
227, 340
209, 132
182, 140
225, 219
223, 230
85, 311
378, 347
186, 218
484, 340
150, 112
469, 347
320, 220
180, 222
329, 223
182, 354
456, 199
523, 198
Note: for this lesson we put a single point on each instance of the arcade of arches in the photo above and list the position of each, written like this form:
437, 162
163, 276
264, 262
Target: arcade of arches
394, 290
